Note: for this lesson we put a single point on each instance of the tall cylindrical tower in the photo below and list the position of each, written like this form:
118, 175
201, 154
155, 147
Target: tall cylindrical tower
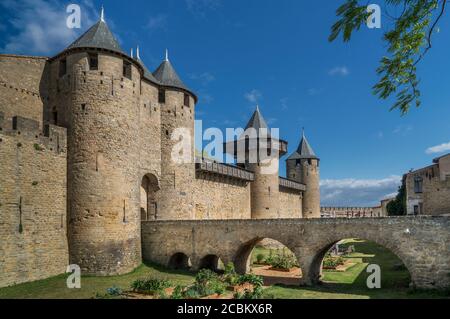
262, 153
177, 104
303, 167
97, 91
264, 191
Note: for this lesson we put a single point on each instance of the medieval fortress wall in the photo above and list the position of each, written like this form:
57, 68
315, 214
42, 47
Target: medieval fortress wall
33, 225
22, 83
86, 143
88, 148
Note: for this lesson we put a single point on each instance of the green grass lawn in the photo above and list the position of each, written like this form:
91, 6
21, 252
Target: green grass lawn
352, 282
55, 287
340, 285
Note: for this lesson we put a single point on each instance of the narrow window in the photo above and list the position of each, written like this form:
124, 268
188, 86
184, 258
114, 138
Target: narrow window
62, 67
93, 61
55, 117
127, 69
83, 107
418, 184
162, 96
186, 100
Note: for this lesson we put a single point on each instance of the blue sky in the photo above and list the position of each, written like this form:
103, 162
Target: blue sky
236, 54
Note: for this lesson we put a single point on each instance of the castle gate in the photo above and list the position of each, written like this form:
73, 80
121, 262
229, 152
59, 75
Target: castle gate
422, 243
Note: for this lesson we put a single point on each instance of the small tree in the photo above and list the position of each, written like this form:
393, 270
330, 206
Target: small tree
398, 206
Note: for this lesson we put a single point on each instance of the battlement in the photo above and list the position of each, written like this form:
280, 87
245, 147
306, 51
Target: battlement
345, 209
52, 138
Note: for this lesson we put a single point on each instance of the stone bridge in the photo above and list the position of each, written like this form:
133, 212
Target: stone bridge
422, 243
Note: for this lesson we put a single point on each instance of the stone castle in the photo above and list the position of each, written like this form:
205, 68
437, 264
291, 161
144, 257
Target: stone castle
85, 147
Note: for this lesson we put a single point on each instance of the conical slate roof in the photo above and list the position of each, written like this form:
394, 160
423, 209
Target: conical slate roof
166, 75
98, 36
147, 74
257, 121
304, 150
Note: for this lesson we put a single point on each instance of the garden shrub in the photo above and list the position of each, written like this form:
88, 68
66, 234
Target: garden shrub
260, 258
333, 262
150, 285
256, 281
284, 262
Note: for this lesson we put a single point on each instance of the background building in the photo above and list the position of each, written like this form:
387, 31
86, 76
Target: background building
428, 189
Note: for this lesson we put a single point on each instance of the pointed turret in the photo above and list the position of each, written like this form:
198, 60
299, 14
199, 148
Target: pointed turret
147, 74
304, 150
99, 37
166, 75
257, 121
303, 166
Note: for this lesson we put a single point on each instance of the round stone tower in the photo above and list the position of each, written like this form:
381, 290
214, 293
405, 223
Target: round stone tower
264, 190
303, 167
177, 104
95, 92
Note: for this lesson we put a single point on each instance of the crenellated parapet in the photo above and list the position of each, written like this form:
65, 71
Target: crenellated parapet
52, 138
351, 212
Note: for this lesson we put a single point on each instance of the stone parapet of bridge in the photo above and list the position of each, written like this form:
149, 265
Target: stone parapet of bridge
422, 243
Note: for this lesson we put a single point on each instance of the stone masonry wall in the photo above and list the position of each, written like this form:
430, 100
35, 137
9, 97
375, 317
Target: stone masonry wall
33, 232
176, 194
435, 195
422, 243
102, 116
221, 198
23, 86
290, 203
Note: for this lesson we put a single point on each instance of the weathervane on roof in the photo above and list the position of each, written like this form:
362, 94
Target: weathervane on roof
167, 56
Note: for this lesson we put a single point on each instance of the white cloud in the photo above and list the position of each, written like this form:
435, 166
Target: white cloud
205, 78
445, 147
158, 22
357, 192
403, 130
254, 96
339, 70
40, 26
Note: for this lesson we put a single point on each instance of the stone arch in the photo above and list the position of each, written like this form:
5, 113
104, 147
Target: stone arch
242, 256
180, 261
149, 197
211, 262
313, 268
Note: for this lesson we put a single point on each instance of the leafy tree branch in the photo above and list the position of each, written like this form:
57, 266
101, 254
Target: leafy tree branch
408, 41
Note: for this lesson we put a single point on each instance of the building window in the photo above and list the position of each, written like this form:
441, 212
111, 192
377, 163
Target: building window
62, 67
127, 69
162, 96
93, 61
418, 184
186, 100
